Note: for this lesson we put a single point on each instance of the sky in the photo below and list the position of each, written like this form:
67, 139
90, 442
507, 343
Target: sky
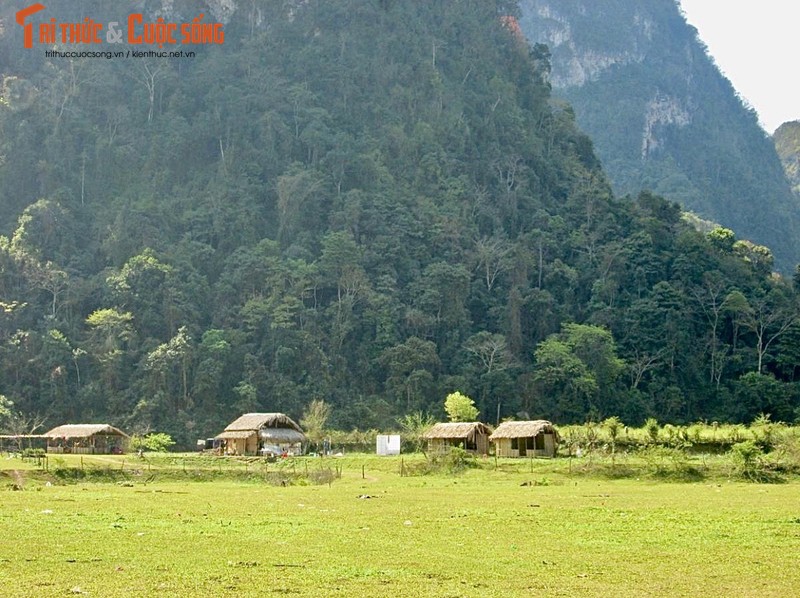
757, 46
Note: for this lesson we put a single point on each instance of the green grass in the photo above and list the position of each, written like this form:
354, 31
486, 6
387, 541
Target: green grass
481, 533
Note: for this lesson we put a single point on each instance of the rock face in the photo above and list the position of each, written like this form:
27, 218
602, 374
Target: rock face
577, 64
787, 142
660, 112
662, 117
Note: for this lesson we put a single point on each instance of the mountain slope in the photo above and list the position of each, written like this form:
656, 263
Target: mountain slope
374, 203
663, 117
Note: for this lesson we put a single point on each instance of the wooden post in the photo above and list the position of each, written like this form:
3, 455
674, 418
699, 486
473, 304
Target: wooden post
363, 474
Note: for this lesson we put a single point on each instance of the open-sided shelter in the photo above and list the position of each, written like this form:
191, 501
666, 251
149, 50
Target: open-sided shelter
262, 434
13, 443
537, 438
87, 439
471, 436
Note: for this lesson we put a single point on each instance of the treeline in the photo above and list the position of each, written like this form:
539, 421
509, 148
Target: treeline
369, 203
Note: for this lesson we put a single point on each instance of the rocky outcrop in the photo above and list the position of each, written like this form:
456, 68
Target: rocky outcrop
787, 143
577, 64
661, 111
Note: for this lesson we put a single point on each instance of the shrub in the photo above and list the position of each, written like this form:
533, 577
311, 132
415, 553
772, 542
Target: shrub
748, 459
157, 443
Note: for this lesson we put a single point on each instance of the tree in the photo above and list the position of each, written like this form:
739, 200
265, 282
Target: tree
145, 285
562, 376
613, 426
710, 299
170, 355
110, 329
761, 393
580, 362
768, 318
492, 257
414, 426
154, 442
54, 281
722, 239
314, 420
410, 366
460, 408
5, 409
490, 350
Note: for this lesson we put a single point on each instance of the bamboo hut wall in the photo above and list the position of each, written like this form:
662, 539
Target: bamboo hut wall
504, 447
441, 445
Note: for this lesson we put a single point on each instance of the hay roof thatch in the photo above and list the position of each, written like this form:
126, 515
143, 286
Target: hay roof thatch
84, 431
257, 421
468, 430
234, 434
528, 429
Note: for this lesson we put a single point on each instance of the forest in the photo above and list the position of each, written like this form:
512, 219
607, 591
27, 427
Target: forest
370, 203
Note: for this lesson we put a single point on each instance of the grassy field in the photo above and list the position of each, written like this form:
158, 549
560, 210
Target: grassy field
478, 533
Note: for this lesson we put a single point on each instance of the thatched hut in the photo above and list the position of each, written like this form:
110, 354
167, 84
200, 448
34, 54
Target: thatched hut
471, 436
87, 439
262, 434
537, 438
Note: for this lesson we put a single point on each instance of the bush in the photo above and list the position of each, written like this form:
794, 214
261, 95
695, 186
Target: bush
157, 443
750, 464
669, 462
454, 460
32, 453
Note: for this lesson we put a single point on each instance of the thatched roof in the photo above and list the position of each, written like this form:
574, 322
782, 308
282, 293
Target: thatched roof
84, 431
233, 434
468, 430
528, 429
258, 421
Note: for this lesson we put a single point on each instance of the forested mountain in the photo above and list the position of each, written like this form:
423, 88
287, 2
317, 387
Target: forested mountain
663, 117
373, 203
787, 143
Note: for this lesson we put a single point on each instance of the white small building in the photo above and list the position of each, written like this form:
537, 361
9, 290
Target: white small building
388, 444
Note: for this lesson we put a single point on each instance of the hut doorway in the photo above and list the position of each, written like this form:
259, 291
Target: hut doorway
519, 445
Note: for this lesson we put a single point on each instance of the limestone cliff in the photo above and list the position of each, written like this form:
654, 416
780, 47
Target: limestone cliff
787, 142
